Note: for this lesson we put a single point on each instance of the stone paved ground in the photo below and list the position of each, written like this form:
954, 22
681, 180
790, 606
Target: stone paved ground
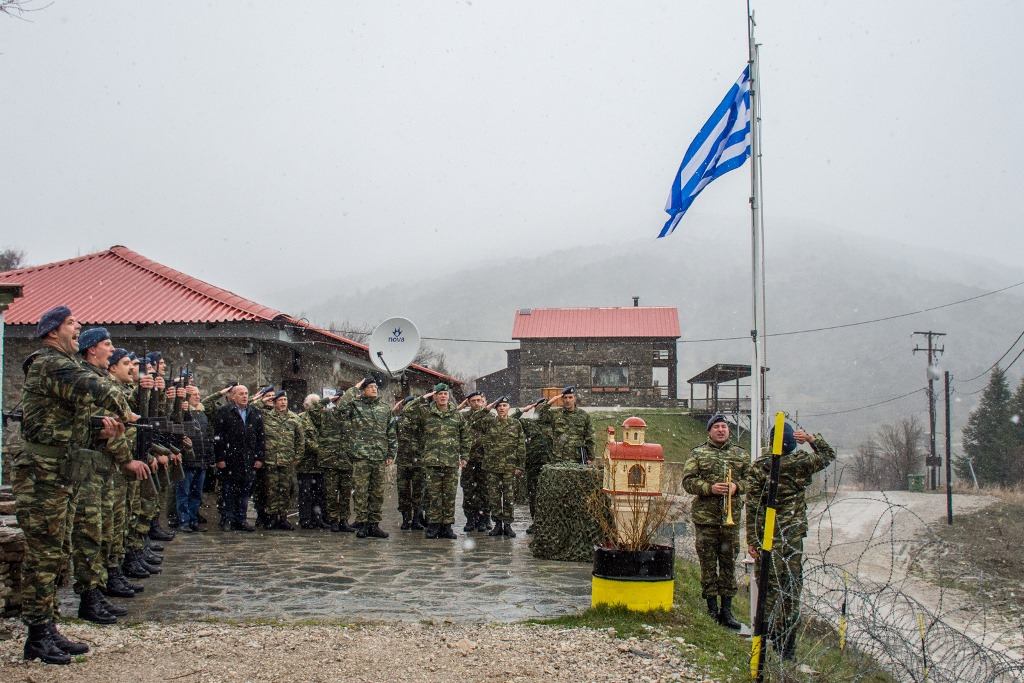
323, 575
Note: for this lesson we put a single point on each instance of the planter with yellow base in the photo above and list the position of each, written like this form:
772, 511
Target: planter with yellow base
640, 580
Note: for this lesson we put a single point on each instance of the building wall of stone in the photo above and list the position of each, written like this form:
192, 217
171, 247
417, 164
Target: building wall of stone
563, 362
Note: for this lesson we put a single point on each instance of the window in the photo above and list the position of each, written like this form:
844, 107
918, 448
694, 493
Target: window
660, 354
609, 376
637, 478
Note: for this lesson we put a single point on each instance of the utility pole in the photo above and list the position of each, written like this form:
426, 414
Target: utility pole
949, 466
932, 461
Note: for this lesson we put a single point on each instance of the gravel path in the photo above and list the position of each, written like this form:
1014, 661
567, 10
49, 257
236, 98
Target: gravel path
373, 653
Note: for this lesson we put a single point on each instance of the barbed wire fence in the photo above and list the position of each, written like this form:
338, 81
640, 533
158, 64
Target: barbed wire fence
865, 591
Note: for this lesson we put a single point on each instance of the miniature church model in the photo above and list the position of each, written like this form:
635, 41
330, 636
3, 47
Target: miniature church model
632, 470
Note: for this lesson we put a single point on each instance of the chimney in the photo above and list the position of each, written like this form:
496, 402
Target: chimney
636, 302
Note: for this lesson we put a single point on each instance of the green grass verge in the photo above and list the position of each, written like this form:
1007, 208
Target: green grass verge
720, 652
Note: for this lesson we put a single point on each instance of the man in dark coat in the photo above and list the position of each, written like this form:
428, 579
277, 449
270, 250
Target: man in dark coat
238, 436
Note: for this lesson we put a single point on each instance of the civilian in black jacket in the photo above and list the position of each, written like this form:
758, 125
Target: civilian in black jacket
238, 436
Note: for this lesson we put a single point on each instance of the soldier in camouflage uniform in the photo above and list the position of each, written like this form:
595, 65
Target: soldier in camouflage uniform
785, 578
59, 398
538, 451
337, 467
569, 428
704, 476
284, 444
371, 430
444, 447
308, 470
504, 460
409, 475
263, 401
473, 477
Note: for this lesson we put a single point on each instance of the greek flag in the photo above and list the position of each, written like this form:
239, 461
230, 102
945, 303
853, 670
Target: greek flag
721, 145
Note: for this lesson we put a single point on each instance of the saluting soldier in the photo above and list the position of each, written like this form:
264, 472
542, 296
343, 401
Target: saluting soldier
59, 397
797, 467
569, 427
504, 460
704, 476
473, 477
308, 471
337, 466
538, 453
445, 442
374, 442
284, 444
409, 471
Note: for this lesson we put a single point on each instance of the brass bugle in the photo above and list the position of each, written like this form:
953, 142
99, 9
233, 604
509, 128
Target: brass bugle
728, 499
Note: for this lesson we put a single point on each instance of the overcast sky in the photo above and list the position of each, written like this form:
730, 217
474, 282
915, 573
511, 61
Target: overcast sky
229, 138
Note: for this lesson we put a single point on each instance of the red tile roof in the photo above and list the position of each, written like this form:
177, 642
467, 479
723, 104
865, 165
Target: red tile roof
628, 321
138, 291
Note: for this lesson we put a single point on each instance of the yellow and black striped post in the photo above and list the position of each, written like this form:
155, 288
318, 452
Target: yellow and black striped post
757, 642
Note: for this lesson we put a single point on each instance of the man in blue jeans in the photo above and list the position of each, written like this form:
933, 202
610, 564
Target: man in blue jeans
195, 461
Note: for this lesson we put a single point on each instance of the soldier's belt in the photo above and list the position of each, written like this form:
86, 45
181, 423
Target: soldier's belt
44, 451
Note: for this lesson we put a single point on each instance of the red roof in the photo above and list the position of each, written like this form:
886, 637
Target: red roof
627, 451
137, 291
628, 321
634, 422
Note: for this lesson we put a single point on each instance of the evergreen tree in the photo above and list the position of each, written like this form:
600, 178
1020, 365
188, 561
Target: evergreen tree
1017, 420
989, 435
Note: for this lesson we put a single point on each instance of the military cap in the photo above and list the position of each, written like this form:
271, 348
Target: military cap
153, 357
716, 418
503, 399
789, 443
133, 357
441, 386
117, 355
266, 390
568, 390
280, 394
368, 380
51, 320
473, 393
91, 337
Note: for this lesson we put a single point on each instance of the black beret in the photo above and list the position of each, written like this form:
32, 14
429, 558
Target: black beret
51, 320
472, 394
503, 399
281, 394
714, 419
568, 390
368, 380
117, 355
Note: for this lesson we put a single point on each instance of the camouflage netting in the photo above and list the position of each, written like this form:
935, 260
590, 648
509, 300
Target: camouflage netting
564, 528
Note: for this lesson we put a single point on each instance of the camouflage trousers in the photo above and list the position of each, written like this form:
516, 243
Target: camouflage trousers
717, 549
338, 493
114, 502
534, 465
501, 489
278, 482
367, 489
441, 484
410, 488
474, 489
43, 499
133, 504
86, 534
785, 581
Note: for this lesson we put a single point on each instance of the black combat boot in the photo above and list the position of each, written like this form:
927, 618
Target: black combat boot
470, 523
132, 567
40, 645
151, 568
432, 530
406, 521
417, 521
498, 529
123, 580
508, 530
725, 617
151, 557
69, 646
158, 534
530, 529
446, 532
115, 587
116, 610
374, 531
713, 606
91, 609
345, 527
283, 524
242, 526
483, 522
152, 545
361, 530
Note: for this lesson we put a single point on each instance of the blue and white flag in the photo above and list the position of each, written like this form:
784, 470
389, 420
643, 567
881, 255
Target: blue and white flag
721, 145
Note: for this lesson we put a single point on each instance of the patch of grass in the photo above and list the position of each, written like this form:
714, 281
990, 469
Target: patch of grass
720, 652
677, 433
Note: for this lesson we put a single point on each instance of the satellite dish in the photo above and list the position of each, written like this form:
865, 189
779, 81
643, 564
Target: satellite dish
393, 345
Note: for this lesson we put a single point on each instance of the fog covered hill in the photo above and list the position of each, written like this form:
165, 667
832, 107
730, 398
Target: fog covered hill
814, 279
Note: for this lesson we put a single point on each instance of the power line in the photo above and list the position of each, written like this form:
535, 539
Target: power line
870, 405
1007, 353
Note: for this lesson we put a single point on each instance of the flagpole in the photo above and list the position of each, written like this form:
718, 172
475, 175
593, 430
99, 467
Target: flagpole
756, 333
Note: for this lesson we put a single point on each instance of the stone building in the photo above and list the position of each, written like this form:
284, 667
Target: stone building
219, 335
621, 356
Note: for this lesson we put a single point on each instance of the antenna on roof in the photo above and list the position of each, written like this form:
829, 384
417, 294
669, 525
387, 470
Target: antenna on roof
636, 302
394, 344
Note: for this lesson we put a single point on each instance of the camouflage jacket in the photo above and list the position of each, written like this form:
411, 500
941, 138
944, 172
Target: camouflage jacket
310, 420
538, 444
283, 439
369, 425
504, 446
334, 447
119, 448
408, 441
709, 464
479, 422
795, 473
59, 396
444, 438
569, 430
